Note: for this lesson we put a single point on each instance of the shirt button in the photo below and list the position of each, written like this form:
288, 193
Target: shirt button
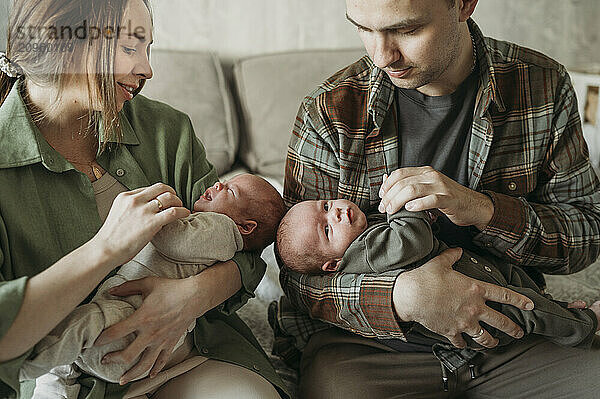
120, 172
487, 269
205, 351
474, 260
512, 186
488, 244
255, 367
50, 161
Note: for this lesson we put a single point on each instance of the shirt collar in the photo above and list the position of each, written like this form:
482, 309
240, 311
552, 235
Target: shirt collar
23, 143
381, 88
487, 71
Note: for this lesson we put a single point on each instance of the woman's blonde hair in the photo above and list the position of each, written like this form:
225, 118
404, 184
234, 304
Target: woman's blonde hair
52, 39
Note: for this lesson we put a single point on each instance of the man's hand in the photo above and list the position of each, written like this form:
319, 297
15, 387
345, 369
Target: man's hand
450, 303
424, 188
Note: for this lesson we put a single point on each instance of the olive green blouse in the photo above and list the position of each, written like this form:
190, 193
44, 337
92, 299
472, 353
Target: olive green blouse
48, 208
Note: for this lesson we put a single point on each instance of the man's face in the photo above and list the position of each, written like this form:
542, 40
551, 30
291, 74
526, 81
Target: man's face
413, 41
328, 226
229, 198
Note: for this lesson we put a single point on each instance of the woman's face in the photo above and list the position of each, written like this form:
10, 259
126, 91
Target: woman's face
131, 64
132, 55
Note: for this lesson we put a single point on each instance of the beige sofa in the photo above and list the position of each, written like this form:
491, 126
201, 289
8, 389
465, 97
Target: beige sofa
245, 123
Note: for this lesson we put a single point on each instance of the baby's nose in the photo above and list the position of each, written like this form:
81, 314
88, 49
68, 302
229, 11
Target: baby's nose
337, 214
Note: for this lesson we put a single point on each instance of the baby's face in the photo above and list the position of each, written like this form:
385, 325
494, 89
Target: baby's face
328, 226
230, 197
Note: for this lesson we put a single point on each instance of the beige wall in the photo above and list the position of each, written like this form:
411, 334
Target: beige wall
567, 30
564, 29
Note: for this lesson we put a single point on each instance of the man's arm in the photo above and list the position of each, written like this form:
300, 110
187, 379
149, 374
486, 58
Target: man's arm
557, 227
366, 304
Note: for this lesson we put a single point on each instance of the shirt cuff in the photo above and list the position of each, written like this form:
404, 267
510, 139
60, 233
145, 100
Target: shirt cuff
11, 295
252, 269
507, 226
9, 374
376, 302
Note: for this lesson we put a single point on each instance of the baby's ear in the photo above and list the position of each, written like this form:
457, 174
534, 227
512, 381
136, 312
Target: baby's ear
331, 265
247, 227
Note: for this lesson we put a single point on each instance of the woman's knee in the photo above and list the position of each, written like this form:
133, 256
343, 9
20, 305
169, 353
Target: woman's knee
216, 379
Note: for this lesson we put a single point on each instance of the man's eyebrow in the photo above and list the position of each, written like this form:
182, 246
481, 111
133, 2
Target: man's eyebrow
405, 24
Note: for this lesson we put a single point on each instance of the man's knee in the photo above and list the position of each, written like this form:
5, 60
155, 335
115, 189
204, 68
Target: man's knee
329, 373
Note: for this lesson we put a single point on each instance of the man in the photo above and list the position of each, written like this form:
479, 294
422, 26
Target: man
487, 134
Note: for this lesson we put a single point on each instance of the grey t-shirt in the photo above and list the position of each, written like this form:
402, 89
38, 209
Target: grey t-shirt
436, 131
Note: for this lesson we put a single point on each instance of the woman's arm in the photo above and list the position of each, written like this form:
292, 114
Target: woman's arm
54, 293
51, 295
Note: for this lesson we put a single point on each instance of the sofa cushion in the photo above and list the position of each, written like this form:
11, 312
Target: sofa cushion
193, 82
270, 90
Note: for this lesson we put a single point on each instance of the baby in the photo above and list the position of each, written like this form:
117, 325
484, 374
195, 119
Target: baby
327, 236
240, 214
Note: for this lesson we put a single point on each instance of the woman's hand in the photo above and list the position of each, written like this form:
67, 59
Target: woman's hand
424, 188
168, 308
163, 317
450, 303
134, 218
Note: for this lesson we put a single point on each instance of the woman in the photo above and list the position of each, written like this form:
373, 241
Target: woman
78, 155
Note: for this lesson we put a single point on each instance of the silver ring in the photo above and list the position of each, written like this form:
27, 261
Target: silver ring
479, 333
160, 205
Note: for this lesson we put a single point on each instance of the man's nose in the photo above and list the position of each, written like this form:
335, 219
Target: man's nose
386, 51
218, 186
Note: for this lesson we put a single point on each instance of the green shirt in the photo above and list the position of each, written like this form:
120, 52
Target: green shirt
48, 209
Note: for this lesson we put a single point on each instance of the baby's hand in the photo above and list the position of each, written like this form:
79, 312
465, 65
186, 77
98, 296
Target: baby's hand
596, 309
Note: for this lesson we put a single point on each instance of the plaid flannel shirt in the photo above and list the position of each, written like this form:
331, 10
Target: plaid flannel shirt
527, 152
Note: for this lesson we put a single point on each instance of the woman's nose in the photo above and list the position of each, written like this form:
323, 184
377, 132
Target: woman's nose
143, 68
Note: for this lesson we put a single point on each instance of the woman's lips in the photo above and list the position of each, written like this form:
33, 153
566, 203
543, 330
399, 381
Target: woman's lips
127, 90
127, 94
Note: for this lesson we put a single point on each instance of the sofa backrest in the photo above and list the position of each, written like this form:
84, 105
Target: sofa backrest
193, 82
270, 89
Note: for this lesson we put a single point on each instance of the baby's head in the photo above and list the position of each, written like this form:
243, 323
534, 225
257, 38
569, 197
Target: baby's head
313, 235
254, 205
